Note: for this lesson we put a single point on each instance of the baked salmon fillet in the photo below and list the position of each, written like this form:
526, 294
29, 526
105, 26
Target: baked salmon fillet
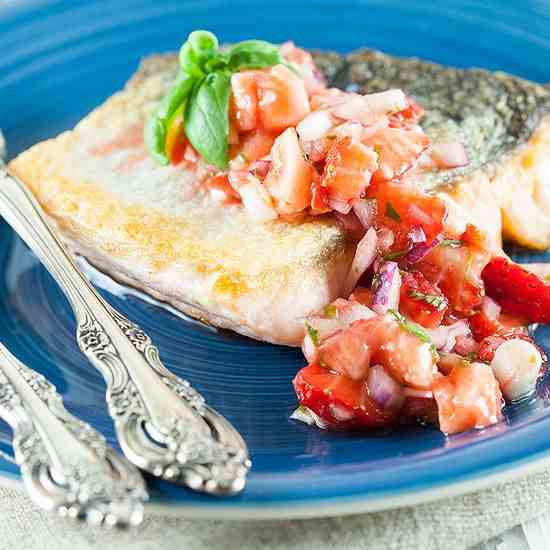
152, 227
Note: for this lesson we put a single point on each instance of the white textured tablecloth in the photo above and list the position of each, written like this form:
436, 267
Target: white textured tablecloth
452, 524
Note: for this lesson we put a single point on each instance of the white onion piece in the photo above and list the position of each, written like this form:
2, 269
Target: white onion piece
385, 239
490, 308
364, 256
516, 365
422, 394
349, 129
353, 311
365, 210
325, 327
309, 349
339, 206
306, 415
444, 337
384, 389
256, 200
314, 126
386, 295
366, 109
449, 155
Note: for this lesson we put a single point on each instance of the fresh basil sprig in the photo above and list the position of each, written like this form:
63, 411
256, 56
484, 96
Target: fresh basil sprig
201, 92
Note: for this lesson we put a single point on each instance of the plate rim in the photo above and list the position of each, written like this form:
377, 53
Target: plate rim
333, 507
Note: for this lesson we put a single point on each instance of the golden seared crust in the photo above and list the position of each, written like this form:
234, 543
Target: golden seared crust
510, 199
115, 205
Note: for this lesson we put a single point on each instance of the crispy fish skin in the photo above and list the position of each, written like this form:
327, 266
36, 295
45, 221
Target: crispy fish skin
504, 122
151, 227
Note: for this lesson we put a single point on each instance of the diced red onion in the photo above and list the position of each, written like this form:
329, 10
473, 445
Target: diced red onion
490, 308
444, 337
384, 389
386, 295
314, 126
422, 394
449, 155
365, 210
417, 235
351, 224
364, 256
339, 206
465, 345
420, 250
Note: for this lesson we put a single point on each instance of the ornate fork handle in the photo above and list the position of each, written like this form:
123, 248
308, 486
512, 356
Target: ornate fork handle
65, 464
163, 425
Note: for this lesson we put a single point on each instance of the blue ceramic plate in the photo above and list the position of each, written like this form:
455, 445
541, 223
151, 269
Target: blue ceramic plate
60, 59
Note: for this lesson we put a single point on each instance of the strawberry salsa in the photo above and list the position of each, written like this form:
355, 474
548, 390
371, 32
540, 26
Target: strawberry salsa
433, 324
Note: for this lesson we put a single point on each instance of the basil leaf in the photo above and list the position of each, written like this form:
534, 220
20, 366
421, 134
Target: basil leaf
207, 118
158, 122
253, 54
392, 213
199, 48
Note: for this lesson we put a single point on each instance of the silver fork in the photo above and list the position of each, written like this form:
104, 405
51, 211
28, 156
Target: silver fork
162, 424
65, 464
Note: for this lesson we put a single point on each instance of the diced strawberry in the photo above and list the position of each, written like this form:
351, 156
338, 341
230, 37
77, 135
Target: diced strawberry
243, 104
338, 400
517, 290
319, 196
397, 149
283, 99
403, 207
348, 169
482, 326
421, 300
221, 190
349, 352
289, 178
362, 295
456, 269
254, 145
469, 397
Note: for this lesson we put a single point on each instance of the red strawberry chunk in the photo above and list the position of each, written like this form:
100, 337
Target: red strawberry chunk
517, 290
457, 270
338, 400
397, 149
421, 300
348, 169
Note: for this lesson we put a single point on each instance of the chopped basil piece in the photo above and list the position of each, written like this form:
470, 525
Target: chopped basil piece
313, 334
414, 329
392, 213
395, 255
430, 299
453, 243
